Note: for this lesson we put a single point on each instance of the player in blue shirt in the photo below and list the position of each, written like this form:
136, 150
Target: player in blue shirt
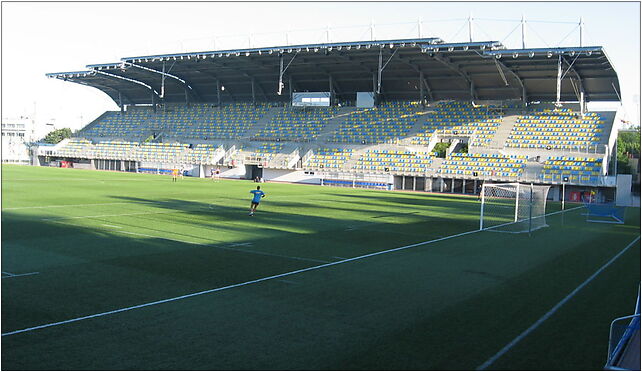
258, 194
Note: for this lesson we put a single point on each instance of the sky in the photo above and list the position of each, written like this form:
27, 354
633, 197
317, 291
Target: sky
38, 38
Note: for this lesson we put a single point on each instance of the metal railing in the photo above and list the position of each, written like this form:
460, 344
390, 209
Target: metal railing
621, 331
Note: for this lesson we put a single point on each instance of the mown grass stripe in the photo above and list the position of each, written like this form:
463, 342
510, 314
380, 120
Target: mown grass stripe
552, 311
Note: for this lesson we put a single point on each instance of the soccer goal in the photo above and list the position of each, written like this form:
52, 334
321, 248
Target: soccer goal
604, 213
513, 207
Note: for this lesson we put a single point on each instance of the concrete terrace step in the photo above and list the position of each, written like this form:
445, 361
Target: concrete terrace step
503, 131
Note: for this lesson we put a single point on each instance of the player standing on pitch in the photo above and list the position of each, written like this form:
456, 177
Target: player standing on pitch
258, 194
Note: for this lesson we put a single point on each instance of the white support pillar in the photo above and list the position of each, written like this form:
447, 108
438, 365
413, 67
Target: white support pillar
470, 27
372, 30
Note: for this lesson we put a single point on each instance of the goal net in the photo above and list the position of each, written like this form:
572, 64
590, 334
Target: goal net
604, 213
513, 207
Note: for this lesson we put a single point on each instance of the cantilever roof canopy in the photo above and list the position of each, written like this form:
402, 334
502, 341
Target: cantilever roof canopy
395, 69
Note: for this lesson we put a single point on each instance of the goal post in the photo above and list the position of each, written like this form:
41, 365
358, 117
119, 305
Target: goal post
513, 207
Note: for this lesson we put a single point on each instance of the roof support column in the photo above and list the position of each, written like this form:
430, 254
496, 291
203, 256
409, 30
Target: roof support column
291, 87
162, 89
253, 94
120, 102
380, 70
374, 87
472, 90
582, 102
280, 74
331, 88
218, 92
421, 90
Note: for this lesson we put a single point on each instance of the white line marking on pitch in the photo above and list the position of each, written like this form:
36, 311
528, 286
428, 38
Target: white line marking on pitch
552, 311
114, 226
248, 244
260, 280
6, 273
17, 275
65, 205
94, 204
227, 248
112, 215
277, 276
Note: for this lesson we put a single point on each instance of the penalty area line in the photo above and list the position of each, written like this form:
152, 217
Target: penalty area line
552, 311
9, 275
231, 286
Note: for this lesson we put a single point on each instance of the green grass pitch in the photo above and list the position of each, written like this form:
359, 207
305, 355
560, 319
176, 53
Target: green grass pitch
77, 243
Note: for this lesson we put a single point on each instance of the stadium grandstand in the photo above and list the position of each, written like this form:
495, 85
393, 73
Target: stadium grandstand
361, 114
431, 204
